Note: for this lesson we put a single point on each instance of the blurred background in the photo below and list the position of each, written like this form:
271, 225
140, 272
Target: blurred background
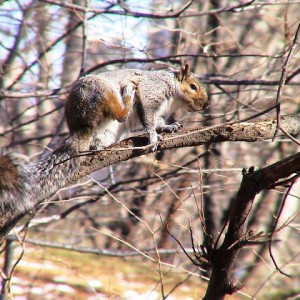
105, 237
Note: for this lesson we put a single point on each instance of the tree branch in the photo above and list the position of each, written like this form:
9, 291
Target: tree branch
137, 146
238, 234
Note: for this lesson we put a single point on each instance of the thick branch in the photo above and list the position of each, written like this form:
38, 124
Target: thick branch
137, 146
238, 233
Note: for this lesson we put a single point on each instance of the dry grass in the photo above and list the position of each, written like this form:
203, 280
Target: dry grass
89, 275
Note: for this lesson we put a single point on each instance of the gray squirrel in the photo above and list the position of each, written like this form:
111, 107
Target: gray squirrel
104, 107
110, 104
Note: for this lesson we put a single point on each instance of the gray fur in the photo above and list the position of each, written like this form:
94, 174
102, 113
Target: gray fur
153, 94
39, 181
158, 94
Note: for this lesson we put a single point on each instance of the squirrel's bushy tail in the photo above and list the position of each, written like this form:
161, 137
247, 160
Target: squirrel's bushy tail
23, 185
16, 184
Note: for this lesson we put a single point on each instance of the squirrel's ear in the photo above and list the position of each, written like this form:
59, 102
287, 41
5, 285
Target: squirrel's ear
184, 72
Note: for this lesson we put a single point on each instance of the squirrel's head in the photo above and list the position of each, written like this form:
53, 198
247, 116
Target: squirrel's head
194, 94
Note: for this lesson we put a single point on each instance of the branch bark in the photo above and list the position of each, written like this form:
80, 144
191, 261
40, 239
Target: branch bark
137, 146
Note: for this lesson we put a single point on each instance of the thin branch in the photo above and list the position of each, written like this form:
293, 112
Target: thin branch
84, 38
282, 83
194, 262
167, 14
17, 41
263, 284
276, 223
103, 252
16, 128
9, 94
177, 285
41, 55
291, 76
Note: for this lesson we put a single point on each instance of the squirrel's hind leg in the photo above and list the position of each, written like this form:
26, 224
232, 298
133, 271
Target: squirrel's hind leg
117, 106
128, 94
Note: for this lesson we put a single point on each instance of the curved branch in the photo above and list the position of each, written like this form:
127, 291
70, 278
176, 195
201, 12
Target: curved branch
137, 146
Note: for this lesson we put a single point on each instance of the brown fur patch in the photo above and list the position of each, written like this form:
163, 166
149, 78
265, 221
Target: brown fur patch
114, 108
9, 176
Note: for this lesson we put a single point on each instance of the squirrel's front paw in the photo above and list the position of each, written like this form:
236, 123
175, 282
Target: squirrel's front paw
170, 128
176, 125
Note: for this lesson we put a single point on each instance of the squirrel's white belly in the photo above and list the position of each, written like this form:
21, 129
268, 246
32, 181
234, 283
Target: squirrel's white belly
112, 131
132, 123
107, 133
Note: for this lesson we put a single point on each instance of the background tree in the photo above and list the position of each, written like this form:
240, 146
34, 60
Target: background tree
238, 49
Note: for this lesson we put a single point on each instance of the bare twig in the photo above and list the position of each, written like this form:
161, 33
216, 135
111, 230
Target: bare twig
84, 38
178, 285
281, 85
194, 262
41, 55
127, 11
16, 128
276, 223
273, 274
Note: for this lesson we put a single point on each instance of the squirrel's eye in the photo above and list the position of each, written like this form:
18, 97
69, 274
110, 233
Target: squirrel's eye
193, 87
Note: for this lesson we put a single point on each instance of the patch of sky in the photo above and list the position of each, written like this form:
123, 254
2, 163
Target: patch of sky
10, 18
122, 30
109, 29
